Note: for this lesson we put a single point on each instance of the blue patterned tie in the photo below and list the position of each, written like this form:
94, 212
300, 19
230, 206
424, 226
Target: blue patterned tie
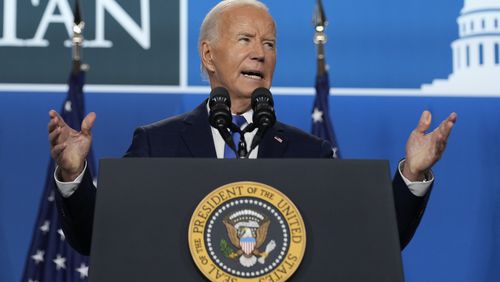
228, 152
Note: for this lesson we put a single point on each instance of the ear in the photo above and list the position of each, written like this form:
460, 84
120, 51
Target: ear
207, 56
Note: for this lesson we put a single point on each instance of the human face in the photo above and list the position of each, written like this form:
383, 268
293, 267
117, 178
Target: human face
244, 55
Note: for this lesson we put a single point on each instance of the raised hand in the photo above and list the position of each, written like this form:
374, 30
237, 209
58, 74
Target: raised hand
68, 147
424, 150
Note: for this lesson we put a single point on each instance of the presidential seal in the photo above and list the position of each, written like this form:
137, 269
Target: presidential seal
247, 231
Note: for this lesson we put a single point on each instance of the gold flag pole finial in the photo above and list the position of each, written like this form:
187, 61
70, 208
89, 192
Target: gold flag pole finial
320, 38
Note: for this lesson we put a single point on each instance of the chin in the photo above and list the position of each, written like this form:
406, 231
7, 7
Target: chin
252, 86
245, 88
245, 93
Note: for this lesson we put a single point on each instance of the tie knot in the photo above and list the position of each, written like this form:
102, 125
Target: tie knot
239, 120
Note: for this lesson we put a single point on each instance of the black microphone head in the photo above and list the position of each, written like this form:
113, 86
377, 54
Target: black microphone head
262, 95
220, 108
219, 95
263, 108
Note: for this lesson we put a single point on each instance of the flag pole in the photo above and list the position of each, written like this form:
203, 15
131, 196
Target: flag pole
321, 122
77, 41
320, 22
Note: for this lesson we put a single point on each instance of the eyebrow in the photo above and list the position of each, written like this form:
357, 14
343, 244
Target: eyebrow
252, 35
248, 34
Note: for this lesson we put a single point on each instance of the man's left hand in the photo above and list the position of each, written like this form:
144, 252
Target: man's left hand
424, 150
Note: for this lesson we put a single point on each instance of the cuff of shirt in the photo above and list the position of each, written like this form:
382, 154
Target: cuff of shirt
68, 188
417, 188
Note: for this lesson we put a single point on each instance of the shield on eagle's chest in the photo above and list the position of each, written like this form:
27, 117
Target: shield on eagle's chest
247, 244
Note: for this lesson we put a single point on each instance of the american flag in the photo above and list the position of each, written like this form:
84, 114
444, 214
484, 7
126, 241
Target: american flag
50, 258
321, 122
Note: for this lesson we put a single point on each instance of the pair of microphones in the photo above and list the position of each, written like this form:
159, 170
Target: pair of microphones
220, 118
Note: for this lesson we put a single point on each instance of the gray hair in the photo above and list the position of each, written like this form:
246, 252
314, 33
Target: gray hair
209, 28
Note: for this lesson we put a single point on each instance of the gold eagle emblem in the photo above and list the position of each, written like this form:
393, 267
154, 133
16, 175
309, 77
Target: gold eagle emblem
247, 231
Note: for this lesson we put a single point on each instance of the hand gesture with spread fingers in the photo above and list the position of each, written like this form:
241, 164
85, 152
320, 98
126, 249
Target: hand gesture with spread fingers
424, 150
69, 148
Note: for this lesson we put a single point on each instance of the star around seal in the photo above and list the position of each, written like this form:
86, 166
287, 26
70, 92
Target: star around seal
247, 231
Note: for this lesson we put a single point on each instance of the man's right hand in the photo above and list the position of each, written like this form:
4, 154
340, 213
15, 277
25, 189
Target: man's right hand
68, 147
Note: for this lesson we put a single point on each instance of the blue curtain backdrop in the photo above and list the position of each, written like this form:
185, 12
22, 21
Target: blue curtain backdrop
387, 45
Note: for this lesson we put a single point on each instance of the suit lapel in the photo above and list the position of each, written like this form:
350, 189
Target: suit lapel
197, 134
274, 143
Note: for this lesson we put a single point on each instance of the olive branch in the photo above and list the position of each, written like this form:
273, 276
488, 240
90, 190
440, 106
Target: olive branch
226, 250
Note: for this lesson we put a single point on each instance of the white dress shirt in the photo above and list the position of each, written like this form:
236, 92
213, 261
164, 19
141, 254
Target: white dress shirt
220, 144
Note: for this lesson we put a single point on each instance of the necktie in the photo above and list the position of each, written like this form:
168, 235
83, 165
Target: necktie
228, 152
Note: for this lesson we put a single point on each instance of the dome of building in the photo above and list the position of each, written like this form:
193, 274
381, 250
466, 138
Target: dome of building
476, 5
476, 53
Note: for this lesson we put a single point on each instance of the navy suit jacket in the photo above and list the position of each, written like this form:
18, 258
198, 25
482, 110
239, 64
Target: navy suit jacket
189, 135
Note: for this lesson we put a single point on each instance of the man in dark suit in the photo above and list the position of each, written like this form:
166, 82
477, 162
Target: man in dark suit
237, 50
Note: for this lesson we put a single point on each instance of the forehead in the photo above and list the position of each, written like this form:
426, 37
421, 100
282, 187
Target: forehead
248, 19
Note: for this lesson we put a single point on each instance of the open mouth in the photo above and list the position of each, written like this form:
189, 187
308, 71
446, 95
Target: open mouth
253, 75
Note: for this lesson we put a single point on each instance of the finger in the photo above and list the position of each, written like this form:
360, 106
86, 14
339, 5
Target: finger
446, 126
88, 123
56, 151
453, 117
424, 123
59, 120
52, 113
54, 120
52, 124
54, 135
440, 141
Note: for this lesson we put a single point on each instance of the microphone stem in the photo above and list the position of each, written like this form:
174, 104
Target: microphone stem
242, 145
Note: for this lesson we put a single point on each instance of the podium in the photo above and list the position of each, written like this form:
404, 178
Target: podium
144, 207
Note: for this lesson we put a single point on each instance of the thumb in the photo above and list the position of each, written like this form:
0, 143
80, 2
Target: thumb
424, 123
88, 122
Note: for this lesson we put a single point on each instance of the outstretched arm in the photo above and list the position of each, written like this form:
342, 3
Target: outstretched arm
69, 149
422, 152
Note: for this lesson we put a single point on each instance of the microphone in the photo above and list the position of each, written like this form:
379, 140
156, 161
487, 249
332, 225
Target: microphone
220, 117
263, 113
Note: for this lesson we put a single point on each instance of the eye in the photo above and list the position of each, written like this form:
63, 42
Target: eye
269, 44
244, 39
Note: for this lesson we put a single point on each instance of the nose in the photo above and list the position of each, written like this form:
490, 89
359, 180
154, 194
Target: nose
258, 53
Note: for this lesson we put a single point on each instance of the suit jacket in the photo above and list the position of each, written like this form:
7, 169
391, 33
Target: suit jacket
189, 135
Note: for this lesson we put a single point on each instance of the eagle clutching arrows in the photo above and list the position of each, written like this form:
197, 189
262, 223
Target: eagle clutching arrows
247, 235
